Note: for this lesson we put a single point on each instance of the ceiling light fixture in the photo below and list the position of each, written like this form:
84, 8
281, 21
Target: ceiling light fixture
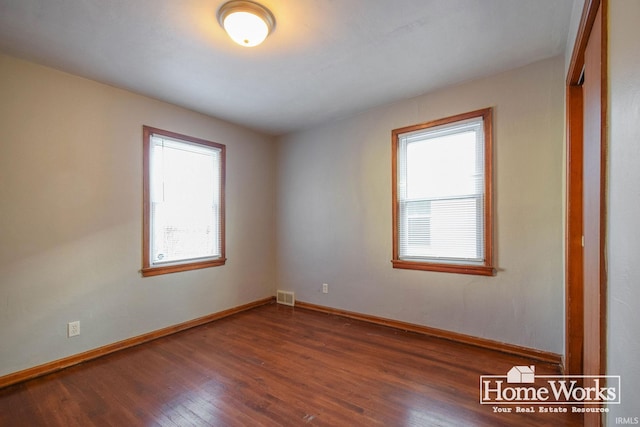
246, 22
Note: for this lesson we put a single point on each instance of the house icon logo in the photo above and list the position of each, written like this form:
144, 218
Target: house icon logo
521, 374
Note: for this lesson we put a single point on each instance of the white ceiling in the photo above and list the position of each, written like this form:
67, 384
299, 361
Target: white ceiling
325, 60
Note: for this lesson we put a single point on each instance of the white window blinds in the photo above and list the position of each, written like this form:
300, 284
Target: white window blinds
185, 188
440, 188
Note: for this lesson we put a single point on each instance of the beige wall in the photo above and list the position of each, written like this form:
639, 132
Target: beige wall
71, 217
334, 218
623, 207
314, 208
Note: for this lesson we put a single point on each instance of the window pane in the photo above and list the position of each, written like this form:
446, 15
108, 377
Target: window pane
449, 230
442, 166
185, 193
418, 224
440, 192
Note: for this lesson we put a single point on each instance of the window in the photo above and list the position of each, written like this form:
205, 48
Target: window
183, 203
442, 200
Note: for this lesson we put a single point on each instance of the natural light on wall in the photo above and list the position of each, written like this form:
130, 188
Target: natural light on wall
246, 22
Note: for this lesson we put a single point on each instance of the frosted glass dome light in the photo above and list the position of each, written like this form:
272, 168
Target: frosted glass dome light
246, 22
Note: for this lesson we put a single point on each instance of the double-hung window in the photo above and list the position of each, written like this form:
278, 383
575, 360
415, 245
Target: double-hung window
442, 202
183, 202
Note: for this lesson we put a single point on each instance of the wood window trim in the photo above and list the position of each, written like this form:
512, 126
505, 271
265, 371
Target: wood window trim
147, 269
487, 269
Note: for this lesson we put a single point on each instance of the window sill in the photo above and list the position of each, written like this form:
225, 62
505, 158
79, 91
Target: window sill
175, 268
479, 270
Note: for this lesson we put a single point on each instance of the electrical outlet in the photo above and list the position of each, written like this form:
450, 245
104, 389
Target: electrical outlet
73, 329
325, 288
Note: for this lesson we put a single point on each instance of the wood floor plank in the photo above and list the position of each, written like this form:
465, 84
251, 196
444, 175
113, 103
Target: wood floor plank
276, 366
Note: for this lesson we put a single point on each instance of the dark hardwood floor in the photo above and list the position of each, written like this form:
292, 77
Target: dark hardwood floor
276, 366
